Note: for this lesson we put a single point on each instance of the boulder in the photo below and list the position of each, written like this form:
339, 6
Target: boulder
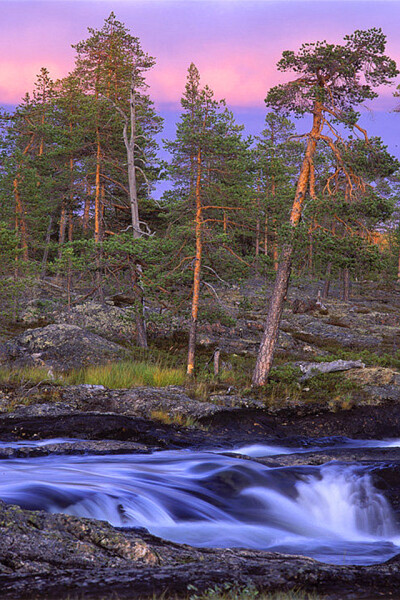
379, 383
62, 347
104, 319
307, 305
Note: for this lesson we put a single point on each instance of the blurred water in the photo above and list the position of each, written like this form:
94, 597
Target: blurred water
330, 512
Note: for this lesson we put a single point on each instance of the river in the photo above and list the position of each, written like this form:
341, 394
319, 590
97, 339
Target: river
330, 512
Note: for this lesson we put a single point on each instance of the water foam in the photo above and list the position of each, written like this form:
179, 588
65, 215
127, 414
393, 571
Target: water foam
331, 513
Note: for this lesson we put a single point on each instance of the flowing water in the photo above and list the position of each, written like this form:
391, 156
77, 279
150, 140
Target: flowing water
330, 512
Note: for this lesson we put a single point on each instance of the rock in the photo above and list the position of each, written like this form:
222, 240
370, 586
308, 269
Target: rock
317, 331
173, 403
304, 305
106, 320
311, 369
38, 311
62, 347
244, 338
381, 384
60, 556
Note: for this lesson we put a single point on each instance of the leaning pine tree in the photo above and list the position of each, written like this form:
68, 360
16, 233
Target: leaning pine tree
332, 80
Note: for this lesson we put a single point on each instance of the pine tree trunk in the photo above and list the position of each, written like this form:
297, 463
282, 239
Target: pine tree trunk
327, 282
216, 357
257, 252
97, 198
20, 221
271, 331
61, 231
197, 273
346, 285
268, 343
46, 248
275, 239
275, 247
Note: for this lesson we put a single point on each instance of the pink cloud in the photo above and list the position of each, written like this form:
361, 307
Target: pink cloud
234, 45
17, 78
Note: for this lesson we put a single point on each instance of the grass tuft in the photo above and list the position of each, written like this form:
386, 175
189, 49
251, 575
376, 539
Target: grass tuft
117, 375
176, 419
127, 375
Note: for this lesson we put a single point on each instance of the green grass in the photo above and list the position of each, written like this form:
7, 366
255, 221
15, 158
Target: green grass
127, 375
26, 375
114, 375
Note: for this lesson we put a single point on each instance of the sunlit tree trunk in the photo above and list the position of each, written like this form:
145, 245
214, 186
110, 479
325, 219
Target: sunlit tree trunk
197, 271
97, 198
268, 343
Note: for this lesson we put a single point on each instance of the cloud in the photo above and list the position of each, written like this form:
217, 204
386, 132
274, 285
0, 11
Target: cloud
234, 44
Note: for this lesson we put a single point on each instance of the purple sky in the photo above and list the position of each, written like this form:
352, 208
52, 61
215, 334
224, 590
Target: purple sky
234, 43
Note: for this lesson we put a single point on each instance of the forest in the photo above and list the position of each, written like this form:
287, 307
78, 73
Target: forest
200, 336
80, 166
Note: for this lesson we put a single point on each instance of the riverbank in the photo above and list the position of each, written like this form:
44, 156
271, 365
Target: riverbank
51, 389
60, 556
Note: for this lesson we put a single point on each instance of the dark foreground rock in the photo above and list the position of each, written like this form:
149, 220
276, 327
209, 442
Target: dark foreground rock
59, 557
95, 413
61, 347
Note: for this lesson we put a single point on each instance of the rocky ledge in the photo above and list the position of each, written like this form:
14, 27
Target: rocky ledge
59, 557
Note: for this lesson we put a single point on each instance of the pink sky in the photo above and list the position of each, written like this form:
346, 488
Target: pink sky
234, 43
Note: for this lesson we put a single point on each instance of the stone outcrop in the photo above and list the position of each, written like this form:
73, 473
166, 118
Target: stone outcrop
380, 384
109, 321
61, 347
317, 331
59, 556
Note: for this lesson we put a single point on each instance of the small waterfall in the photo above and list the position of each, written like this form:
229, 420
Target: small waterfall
332, 513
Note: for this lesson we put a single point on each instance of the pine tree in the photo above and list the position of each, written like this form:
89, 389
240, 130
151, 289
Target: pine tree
209, 169
332, 80
277, 156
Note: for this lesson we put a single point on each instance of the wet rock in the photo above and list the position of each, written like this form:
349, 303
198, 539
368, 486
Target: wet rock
62, 347
58, 556
98, 447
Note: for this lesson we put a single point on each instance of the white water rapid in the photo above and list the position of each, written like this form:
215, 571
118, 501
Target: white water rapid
332, 513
